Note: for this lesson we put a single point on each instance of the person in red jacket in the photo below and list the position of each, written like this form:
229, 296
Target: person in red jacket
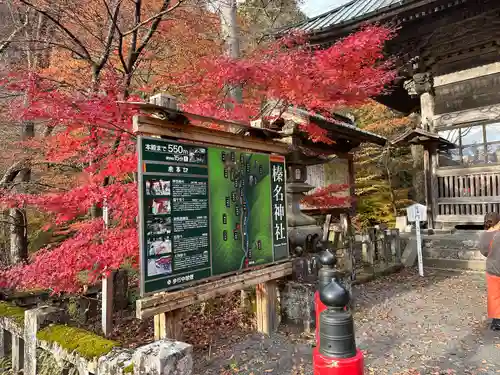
490, 248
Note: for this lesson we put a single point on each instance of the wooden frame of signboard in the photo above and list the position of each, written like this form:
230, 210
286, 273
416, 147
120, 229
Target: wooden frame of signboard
165, 307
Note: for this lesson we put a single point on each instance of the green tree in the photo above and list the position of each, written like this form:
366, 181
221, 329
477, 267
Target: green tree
384, 176
259, 17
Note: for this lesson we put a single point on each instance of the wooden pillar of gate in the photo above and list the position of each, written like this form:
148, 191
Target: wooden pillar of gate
424, 85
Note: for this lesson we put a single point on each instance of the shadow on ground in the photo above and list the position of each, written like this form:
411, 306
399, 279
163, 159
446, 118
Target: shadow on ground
385, 288
405, 324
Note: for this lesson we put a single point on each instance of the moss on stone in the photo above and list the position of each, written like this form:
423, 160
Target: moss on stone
28, 293
84, 343
11, 311
129, 369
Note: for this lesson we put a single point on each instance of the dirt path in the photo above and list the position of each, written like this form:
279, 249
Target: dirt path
404, 323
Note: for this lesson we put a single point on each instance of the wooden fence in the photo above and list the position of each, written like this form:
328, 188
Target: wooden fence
466, 195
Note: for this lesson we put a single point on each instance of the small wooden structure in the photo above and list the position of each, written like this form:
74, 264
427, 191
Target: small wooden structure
304, 160
447, 54
325, 164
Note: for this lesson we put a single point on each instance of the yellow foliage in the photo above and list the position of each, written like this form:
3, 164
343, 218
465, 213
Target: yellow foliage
382, 174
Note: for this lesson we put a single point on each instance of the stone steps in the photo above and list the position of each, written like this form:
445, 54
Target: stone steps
459, 250
458, 254
455, 264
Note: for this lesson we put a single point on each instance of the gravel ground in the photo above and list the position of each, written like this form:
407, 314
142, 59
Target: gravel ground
405, 325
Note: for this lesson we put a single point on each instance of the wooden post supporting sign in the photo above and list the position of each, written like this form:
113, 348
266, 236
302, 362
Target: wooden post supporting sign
267, 297
168, 325
107, 304
107, 289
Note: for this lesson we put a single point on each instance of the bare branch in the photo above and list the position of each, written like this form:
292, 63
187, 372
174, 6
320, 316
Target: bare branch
34, 183
156, 17
49, 43
109, 39
154, 26
72, 36
133, 40
120, 54
5, 44
56, 164
120, 38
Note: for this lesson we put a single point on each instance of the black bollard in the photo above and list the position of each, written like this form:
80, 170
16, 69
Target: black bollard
336, 352
325, 275
327, 271
336, 332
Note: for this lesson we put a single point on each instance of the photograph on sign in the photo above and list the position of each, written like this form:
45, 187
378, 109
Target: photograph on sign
159, 245
160, 206
160, 266
158, 226
207, 211
157, 187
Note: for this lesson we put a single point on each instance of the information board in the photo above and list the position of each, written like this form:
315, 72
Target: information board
334, 172
207, 211
468, 94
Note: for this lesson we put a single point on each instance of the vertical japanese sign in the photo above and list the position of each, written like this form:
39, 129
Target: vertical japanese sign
280, 238
207, 211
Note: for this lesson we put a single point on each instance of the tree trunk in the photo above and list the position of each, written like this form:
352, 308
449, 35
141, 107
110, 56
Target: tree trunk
5, 238
229, 28
34, 60
18, 236
19, 226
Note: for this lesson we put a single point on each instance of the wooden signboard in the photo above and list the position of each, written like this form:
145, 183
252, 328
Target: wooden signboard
207, 211
211, 213
335, 172
468, 94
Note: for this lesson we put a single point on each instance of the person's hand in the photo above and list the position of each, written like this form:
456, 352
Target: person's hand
495, 227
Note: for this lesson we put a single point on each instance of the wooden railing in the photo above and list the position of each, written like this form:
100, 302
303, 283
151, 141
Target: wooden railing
465, 195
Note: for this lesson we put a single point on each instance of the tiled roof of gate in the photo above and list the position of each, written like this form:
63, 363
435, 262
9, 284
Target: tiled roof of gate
352, 11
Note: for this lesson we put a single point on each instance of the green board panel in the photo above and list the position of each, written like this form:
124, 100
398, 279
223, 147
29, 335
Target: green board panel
240, 198
207, 211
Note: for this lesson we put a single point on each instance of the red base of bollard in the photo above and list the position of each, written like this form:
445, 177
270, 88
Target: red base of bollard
340, 366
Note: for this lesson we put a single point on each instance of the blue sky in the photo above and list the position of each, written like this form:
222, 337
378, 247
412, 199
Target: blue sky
314, 7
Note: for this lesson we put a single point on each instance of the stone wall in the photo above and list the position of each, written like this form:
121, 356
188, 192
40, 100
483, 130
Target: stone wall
458, 250
31, 337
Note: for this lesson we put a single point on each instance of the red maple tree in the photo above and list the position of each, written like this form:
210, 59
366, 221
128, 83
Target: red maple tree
324, 198
93, 133
295, 73
96, 156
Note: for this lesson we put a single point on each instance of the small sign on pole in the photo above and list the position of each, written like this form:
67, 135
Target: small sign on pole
417, 213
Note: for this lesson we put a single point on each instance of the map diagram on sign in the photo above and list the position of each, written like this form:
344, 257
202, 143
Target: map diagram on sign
241, 226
